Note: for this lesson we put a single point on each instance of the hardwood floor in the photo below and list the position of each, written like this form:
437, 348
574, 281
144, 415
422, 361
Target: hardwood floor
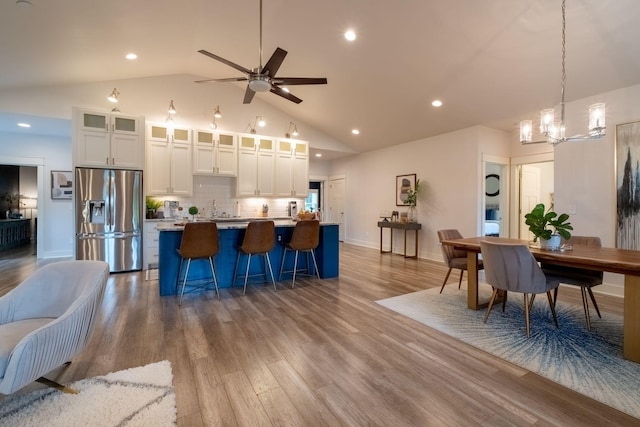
320, 354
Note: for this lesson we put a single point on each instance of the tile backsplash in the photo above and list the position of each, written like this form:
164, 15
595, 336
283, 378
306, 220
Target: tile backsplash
206, 189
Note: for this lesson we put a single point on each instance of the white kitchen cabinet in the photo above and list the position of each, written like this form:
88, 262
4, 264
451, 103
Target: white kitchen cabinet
255, 166
169, 168
150, 244
215, 153
105, 140
291, 168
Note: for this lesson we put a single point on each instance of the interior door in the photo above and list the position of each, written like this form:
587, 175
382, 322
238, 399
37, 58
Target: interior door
529, 195
337, 188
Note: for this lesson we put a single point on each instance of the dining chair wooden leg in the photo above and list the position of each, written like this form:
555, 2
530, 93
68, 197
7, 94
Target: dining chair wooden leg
493, 298
460, 280
593, 300
526, 315
445, 279
552, 306
585, 306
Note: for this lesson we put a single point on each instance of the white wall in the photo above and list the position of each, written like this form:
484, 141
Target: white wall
449, 170
55, 223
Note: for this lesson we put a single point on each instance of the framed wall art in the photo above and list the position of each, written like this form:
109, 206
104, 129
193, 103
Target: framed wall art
628, 185
61, 185
404, 183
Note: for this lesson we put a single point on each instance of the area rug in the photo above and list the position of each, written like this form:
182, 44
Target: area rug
142, 396
589, 362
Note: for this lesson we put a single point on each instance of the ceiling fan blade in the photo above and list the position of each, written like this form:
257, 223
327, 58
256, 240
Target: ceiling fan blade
248, 95
225, 61
279, 91
231, 79
273, 64
290, 81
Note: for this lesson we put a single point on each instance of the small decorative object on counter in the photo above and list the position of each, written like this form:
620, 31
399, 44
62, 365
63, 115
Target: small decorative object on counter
152, 207
265, 210
193, 211
304, 215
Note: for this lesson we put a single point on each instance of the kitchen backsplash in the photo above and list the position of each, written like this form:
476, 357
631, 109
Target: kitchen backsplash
206, 189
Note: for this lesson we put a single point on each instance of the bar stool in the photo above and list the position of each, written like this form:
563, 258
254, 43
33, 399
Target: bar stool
259, 239
199, 241
305, 238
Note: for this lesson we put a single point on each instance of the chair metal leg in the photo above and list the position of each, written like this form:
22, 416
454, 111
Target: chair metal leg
504, 300
271, 271
184, 281
284, 255
178, 275
460, 280
246, 274
235, 270
57, 386
493, 298
585, 305
315, 264
552, 306
213, 274
445, 279
295, 267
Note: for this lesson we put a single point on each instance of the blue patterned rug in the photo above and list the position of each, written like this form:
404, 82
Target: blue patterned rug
590, 363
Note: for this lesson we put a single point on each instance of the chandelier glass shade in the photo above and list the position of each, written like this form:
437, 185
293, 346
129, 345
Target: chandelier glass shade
554, 130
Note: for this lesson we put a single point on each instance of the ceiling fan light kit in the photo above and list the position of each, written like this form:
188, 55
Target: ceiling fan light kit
555, 131
263, 79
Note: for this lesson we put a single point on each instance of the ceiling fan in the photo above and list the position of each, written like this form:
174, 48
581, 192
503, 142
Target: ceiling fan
263, 79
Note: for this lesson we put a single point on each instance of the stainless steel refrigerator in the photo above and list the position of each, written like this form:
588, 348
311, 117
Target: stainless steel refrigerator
108, 218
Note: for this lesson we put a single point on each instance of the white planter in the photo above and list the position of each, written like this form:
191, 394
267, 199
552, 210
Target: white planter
552, 244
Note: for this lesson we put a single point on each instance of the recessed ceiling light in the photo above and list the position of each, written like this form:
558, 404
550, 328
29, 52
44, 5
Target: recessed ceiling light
437, 103
131, 56
350, 35
23, 3
355, 131
318, 154
24, 125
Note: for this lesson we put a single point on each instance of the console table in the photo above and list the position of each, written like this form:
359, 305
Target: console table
400, 226
14, 232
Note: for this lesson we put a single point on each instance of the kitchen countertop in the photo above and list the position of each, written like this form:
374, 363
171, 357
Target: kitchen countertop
236, 223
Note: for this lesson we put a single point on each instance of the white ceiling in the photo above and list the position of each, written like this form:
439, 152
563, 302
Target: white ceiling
491, 62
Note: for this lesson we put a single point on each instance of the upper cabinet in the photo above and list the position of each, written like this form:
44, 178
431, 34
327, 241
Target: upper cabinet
169, 168
215, 153
106, 140
255, 166
291, 168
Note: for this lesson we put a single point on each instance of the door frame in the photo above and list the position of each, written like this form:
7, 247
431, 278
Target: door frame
504, 163
516, 164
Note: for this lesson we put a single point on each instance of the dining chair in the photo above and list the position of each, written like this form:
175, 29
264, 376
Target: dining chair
510, 267
305, 238
200, 240
453, 258
259, 238
584, 278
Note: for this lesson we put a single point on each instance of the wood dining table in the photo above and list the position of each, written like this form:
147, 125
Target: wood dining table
614, 260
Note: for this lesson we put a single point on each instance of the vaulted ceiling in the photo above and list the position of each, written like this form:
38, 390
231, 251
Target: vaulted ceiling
491, 62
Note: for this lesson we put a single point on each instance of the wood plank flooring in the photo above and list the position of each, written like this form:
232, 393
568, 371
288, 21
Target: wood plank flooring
321, 354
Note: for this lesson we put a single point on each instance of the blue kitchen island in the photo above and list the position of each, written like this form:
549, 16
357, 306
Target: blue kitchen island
231, 235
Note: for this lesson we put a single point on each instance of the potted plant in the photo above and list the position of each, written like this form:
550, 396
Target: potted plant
152, 207
411, 201
193, 211
548, 226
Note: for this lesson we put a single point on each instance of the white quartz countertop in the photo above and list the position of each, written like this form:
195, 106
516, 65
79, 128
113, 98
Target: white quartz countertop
166, 225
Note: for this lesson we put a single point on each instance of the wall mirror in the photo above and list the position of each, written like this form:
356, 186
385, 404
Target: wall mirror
492, 185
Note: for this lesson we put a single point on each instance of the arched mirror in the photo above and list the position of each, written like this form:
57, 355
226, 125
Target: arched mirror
492, 185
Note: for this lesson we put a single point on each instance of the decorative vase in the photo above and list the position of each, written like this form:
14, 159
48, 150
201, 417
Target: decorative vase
412, 215
552, 244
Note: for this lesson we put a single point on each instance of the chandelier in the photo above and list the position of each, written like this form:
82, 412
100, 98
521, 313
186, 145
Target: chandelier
555, 131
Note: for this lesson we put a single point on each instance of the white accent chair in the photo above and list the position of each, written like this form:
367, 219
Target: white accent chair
48, 319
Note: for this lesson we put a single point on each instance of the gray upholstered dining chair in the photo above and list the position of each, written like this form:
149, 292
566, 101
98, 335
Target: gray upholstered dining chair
510, 267
453, 258
581, 277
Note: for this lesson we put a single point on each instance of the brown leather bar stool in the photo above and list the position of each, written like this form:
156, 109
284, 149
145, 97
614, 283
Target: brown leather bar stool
259, 239
305, 238
199, 241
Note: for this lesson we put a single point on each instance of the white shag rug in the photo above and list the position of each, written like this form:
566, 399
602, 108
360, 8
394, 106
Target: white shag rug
142, 396
589, 362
